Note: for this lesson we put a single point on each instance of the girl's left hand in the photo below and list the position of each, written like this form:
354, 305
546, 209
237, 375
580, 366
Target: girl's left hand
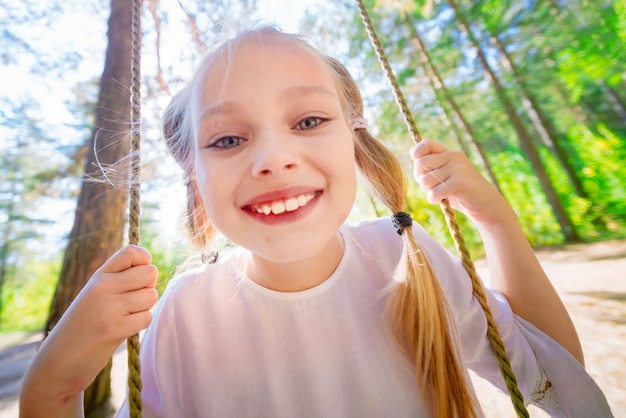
443, 173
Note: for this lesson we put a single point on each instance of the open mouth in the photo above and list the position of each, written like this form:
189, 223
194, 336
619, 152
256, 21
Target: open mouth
279, 206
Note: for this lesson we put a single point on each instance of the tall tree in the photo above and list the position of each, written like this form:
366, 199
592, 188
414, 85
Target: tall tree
25, 185
567, 226
100, 213
8, 206
444, 96
589, 56
542, 123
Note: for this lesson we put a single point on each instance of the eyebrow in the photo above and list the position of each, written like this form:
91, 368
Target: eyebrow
297, 91
290, 93
225, 107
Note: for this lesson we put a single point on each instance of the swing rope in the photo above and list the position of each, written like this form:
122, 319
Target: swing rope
132, 343
134, 374
492, 330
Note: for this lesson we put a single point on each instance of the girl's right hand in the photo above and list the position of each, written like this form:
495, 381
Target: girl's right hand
113, 305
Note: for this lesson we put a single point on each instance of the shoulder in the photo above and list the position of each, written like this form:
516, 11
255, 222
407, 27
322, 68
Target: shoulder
185, 279
202, 284
185, 282
378, 239
379, 233
372, 231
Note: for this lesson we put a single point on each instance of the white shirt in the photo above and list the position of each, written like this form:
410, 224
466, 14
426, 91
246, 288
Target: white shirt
220, 345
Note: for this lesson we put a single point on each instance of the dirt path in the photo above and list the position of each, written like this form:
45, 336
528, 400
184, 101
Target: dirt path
591, 278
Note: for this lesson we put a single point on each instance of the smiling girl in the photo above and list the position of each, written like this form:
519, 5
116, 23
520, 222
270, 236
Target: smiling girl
309, 316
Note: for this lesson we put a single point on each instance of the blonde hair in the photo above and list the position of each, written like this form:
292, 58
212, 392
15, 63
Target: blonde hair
419, 314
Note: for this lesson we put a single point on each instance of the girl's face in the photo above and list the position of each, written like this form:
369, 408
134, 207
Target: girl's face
274, 156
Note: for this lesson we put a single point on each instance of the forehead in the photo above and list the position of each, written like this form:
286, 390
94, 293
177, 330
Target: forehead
262, 61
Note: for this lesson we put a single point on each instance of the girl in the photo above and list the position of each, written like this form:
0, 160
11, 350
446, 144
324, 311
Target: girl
309, 316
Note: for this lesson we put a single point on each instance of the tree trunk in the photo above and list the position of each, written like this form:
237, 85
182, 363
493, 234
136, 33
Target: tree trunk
617, 104
543, 124
447, 117
448, 121
100, 217
563, 219
576, 111
436, 82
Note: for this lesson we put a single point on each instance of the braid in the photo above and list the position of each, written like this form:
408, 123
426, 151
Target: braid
420, 314
179, 140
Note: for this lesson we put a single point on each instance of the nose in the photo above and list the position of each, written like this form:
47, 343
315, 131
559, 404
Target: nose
275, 153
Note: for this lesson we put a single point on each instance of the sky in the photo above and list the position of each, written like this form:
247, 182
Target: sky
285, 13
61, 36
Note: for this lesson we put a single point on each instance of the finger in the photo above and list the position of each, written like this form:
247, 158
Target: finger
443, 190
126, 258
124, 327
432, 179
433, 163
112, 317
138, 301
137, 322
426, 147
137, 305
134, 278
429, 163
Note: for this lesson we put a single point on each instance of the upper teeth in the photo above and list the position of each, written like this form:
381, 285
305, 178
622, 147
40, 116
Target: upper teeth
284, 205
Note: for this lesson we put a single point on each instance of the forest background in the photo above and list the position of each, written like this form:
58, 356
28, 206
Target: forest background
533, 91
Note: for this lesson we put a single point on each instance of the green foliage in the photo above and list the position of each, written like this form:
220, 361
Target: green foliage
603, 152
522, 190
28, 292
165, 257
26, 301
565, 55
620, 24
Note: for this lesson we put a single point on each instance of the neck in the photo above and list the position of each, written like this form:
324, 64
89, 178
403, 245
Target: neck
298, 275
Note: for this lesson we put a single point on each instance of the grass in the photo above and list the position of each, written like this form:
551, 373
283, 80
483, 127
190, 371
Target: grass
28, 292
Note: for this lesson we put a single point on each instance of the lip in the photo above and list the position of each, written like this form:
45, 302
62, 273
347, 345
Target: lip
287, 216
285, 193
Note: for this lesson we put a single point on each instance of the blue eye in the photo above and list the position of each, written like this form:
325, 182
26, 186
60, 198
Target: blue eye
227, 142
310, 123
